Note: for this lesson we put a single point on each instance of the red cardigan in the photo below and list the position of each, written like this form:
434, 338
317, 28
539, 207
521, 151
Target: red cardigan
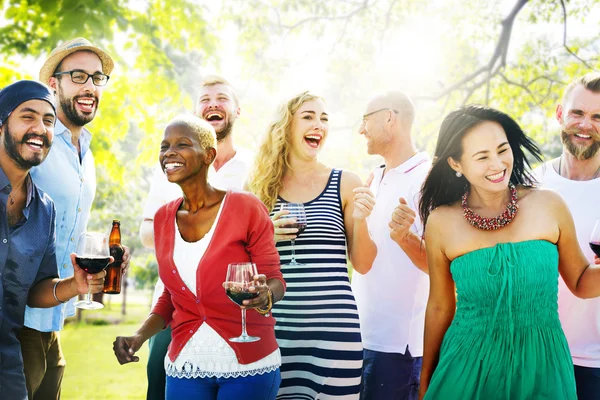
244, 233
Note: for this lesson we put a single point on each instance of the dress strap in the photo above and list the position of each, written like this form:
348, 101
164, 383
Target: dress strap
334, 186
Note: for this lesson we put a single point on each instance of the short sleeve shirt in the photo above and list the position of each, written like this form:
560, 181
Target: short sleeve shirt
392, 297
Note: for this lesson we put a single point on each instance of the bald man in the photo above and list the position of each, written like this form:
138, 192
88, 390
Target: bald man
392, 296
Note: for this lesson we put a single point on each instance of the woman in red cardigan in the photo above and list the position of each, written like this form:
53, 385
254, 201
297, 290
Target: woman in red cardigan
196, 237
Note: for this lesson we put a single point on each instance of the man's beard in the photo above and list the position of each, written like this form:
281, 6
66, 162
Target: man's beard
68, 107
227, 128
11, 149
580, 152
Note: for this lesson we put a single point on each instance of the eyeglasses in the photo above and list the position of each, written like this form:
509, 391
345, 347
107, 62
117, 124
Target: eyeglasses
365, 117
81, 77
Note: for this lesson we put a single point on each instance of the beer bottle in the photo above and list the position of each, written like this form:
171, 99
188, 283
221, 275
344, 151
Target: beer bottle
112, 282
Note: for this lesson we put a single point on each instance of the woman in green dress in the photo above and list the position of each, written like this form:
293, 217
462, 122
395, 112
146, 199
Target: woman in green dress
495, 246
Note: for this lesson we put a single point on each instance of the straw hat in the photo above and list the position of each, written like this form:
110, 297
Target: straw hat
69, 47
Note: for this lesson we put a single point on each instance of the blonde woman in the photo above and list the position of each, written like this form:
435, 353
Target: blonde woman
317, 323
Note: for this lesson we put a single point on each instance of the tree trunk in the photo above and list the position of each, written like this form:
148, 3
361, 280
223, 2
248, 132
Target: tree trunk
124, 293
99, 297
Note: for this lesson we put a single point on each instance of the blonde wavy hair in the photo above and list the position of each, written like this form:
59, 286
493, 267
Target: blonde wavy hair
271, 163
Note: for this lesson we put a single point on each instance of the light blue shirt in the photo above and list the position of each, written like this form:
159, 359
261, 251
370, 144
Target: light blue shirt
71, 183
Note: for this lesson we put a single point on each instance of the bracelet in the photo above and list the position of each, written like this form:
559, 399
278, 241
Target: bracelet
266, 310
54, 293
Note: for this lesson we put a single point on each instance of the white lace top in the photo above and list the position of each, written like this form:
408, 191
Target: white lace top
207, 354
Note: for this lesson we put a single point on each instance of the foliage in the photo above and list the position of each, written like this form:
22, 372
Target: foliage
347, 49
358, 33
145, 277
156, 46
152, 44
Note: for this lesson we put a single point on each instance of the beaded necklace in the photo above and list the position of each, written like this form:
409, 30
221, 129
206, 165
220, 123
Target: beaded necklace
490, 224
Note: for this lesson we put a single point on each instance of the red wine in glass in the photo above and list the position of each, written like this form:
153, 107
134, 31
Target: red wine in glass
239, 279
595, 248
298, 213
301, 226
595, 238
238, 294
92, 256
92, 265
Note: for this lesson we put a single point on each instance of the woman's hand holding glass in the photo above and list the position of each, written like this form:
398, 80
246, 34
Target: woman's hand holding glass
296, 219
239, 280
259, 286
279, 223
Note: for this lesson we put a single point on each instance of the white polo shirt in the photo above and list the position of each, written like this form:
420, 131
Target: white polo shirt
580, 318
231, 175
392, 296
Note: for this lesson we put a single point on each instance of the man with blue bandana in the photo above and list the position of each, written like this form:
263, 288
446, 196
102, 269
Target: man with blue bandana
28, 271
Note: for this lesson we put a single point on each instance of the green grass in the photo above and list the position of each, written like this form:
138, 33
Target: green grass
93, 371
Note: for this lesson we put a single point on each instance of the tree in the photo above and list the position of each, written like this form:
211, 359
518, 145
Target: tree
155, 47
484, 60
515, 55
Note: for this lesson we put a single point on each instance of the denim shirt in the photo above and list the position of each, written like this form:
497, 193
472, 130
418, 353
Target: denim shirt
71, 183
27, 256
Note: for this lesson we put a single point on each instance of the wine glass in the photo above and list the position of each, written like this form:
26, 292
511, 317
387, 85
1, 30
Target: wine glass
240, 276
595, 238
296, 210
93, 255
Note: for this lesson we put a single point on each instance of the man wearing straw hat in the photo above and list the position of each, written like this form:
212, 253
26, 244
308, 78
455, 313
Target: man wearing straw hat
78, 72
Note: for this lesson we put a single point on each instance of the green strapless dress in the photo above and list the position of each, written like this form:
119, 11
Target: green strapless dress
505, 341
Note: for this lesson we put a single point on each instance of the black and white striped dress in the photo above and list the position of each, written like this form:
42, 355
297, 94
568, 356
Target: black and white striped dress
317, 325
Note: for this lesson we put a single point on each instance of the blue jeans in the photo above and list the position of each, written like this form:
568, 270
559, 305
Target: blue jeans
257, 387
588, 382
390, 376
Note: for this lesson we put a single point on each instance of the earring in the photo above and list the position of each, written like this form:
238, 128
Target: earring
458, 174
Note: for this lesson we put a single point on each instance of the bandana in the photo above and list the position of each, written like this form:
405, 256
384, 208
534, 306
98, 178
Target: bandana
13, 95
